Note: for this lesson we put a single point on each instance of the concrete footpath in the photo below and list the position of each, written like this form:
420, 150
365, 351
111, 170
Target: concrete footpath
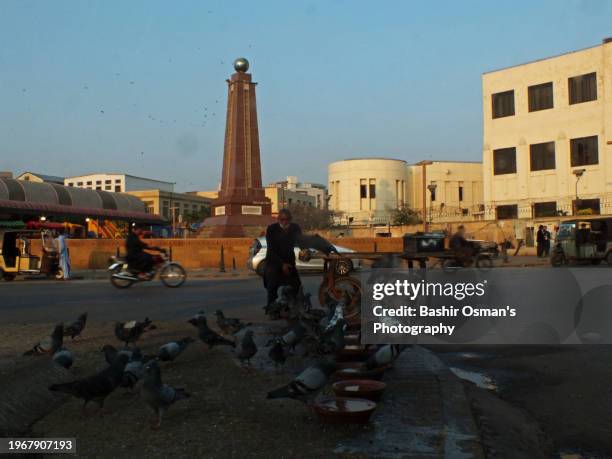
424, 413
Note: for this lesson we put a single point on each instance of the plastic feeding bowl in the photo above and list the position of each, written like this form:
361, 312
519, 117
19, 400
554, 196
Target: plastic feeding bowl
355, 370
344, 410
360, 388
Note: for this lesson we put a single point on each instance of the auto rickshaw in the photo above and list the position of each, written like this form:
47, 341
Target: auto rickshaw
587, 240
16, 254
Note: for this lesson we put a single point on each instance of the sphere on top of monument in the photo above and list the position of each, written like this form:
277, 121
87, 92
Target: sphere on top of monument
241, 65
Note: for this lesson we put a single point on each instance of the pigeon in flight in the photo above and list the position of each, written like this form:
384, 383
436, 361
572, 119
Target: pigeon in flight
63, 357
229, 325
96, 387
76, 328
157, 395
208, 336
50, 344
130, 332
307, 384
248, 348
170, 351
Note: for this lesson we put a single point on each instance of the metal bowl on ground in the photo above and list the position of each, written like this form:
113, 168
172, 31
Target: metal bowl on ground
360, 388
355, 370
344, 410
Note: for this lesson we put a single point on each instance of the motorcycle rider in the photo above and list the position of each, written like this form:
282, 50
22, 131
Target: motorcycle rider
139, 260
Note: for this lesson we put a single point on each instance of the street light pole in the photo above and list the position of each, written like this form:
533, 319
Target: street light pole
424, 164
578, 173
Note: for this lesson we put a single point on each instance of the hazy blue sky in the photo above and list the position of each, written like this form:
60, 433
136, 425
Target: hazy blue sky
139, 86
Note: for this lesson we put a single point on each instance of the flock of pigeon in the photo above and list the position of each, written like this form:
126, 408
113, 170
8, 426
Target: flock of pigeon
311, 332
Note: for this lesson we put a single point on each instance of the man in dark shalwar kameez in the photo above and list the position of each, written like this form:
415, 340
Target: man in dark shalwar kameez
281, 239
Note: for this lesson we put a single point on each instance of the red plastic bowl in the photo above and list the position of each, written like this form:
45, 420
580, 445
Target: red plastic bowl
344, 410
360, 388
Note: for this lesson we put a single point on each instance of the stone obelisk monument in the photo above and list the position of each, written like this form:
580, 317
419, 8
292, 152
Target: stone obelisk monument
242, 209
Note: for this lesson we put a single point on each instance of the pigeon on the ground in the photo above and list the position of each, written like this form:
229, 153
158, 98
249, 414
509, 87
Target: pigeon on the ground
277, 354
229, 325
333, 340
307, 384
133, 371
170, 351
50, 344
293, 336
96, 387
76, 328
248, 348
385, 355
110, 352
199, 314
208, 336
130, 332
63, 357
157, 395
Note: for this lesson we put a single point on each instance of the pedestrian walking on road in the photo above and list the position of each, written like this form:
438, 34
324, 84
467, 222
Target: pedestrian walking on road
540, 241
64, 254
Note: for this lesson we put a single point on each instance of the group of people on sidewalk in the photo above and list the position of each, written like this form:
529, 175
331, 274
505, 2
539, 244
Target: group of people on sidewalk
543, 237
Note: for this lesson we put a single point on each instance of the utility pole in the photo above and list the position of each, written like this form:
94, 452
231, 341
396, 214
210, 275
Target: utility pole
424, 164
173, 209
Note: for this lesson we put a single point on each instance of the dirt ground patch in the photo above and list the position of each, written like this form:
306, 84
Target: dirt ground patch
226, 416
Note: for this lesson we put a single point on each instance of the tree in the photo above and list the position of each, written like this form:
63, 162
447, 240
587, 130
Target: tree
405, 216
309, 217
197, 216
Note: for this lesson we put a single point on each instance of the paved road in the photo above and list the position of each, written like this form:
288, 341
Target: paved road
48, 301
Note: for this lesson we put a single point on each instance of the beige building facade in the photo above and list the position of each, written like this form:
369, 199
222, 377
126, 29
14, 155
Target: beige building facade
118, 183
547, 146
454, 190
172, 205
369, 190
283, 197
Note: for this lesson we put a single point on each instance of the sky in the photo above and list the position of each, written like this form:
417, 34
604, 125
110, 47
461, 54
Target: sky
139, 87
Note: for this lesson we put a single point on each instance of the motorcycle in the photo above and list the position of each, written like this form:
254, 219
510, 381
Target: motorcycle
171, 274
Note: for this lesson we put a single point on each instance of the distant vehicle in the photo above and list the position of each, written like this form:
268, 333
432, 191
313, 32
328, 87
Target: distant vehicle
257, 259
172, 274
588, 240
16, 257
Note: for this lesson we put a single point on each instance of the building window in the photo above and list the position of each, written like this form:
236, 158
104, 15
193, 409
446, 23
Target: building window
540, 97
117, 188
363, 189
584, 151
503, 104
582, 88
108, 182
117, 180
545, 209
542, 156
507, 212
88, 183
98, 187
460, 193
71, 184
432, 192
372, 188
108, 187
504, 161
98, 182
79, 183
587, 206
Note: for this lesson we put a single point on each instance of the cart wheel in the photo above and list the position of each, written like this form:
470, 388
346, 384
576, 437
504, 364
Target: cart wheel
341, 285
484, 263
558, 259
7, 276
59, 274
609, 258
